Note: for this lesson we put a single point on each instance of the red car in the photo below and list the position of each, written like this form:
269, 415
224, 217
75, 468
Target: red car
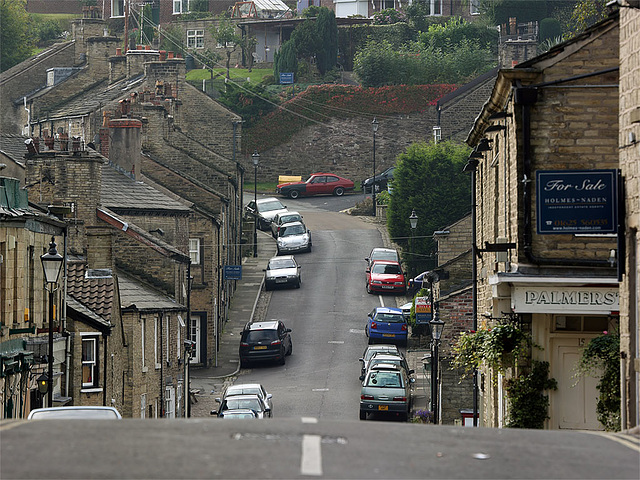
386, 276
316, 184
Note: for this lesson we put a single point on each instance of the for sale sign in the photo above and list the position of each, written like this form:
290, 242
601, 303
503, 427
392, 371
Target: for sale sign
576, 201
423, 310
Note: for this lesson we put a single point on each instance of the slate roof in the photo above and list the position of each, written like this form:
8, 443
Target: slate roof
12, 145
92, 288
122, 193
76, 306
135, 296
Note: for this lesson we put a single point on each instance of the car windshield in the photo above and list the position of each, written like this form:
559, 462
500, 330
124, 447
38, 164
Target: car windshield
239, 415
254, 336
269, 206
392, 361
384, 379
243, 391
290, 218
291, 230
279, 263
390, 317
372, 351
236, 403
386, 268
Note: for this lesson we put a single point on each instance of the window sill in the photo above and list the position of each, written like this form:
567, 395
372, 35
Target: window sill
145, 369
91, 390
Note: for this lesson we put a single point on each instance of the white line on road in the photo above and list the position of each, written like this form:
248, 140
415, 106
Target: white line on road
309, 420
340, 342
311, 461
319, 389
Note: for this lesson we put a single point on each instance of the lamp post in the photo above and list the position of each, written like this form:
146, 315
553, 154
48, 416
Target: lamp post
256, 161
413, 221
374, 127
470, 167
51, 264
437, 326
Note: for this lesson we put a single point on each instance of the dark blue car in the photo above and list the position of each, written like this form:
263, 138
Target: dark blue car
387, 324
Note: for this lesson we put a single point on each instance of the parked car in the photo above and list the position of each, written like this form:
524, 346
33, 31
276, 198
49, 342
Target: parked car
371, 350
389, 358
265, 341
382, 180
264, 209
316, 184
243, 402
293, 237
248, 388
381, 253
385, 323
282, 271
386, 276
282, 218
386, 389
241, 413
75, 413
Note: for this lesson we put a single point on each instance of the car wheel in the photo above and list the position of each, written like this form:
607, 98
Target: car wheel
243, 363
290, 349
369, 288
338, 192
294, 194
370, 341
283, 360
363, 415
267, 287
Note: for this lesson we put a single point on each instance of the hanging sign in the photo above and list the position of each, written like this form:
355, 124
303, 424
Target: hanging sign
576, 201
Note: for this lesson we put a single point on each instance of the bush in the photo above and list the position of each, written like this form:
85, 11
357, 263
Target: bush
528, 405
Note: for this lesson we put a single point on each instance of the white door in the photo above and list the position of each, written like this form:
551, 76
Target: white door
170, 403
195, 337
573, 405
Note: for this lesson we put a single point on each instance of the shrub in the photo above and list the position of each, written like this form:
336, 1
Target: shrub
528, 405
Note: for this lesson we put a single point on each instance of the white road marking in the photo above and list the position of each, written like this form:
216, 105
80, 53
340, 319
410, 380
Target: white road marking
381, 300
355, 330
311, 461
336, 341
309, 420
319, 389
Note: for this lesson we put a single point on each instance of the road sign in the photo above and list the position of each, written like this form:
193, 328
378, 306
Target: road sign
233, 272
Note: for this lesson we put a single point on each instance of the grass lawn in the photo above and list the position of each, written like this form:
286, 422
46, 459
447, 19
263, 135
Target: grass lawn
236, 74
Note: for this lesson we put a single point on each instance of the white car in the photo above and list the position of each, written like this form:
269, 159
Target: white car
293, 237
248, 388
265, 209
75, 413
282, 218
282, 271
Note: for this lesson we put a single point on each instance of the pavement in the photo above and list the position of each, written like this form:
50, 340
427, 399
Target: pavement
249, 301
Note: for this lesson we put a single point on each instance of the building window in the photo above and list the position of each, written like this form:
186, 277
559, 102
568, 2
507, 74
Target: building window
581, 323
435, 7
180, 6
156, 342
194, 251
117, 8
195, 38
167, 341
143, 405
388, 4
144, 332
473, 7
89, 362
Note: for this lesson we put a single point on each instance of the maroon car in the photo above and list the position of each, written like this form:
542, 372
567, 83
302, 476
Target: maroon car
316, 184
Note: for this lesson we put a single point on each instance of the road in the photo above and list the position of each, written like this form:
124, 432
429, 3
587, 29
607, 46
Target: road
327, 316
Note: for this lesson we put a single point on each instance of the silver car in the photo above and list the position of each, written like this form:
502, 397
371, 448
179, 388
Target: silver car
282, 218
75, 413
293, 237
282, 271
264, 209
386, 389
248, 388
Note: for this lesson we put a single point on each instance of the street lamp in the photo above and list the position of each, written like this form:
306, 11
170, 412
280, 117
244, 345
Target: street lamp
413, 221
374, 127
437, 326
51, 264
256, 161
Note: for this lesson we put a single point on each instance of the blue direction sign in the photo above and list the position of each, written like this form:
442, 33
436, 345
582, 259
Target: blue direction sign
286, 78
233, 272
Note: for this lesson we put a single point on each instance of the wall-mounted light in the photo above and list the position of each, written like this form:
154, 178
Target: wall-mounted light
495, 128
483, 146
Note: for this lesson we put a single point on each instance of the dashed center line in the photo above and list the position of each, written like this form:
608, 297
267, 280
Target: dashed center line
311, 460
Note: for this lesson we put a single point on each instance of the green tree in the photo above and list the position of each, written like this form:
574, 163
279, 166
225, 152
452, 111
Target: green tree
248, 100
224, 32
285, 59
425, 174
248, 46
584, 14
15, 44
327, 30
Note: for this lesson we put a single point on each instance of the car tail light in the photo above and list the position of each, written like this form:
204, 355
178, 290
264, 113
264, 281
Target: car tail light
374, 325
404, 327
276, 342
366, 397
244, 344
399, 399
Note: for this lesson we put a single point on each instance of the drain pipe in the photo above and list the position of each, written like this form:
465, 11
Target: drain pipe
526, 97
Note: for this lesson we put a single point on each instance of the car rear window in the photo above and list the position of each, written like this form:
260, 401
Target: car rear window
388, 269
385, 255
261, 336
390, 318
384, 379
237, 403
269, 206
290, 218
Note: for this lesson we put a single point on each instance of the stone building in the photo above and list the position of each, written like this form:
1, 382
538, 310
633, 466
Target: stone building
554, 130
629, 252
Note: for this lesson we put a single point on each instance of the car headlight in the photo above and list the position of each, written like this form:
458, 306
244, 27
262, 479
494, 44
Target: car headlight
399, 283
378, 282
280, 242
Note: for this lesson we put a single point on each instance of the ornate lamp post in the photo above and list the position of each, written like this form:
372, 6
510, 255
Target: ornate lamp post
413, 221
437, 326
256, 161
374, 127
51, 264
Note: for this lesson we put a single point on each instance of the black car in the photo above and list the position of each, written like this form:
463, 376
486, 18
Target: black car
382, 180
265, 341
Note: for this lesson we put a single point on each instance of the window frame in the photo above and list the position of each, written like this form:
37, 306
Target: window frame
120, 10
95, 364
194, 251
179, 7
195, 38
